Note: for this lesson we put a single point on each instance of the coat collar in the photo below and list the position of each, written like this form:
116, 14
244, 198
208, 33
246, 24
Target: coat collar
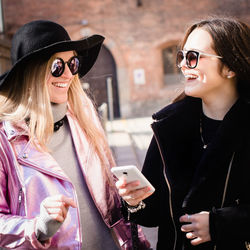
183, 117
14, 130
27, 153
188, 105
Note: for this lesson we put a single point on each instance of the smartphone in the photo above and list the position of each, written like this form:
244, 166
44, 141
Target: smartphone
132, 173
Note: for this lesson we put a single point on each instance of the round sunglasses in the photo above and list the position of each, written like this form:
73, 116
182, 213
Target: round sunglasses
58, 66
192, 57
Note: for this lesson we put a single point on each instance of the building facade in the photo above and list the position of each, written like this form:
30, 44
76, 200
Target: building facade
135, 72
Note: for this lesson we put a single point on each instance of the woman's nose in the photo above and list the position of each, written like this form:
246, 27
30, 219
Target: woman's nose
183, 63
67, 73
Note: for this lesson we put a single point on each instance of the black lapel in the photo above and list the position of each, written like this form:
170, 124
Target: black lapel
178, 125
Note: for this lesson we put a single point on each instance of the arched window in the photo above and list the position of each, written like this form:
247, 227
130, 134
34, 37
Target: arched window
172, 74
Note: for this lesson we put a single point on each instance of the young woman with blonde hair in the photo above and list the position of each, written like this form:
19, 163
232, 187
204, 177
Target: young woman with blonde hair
56, 190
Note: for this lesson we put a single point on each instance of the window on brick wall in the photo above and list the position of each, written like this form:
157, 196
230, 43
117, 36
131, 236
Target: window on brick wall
172, 74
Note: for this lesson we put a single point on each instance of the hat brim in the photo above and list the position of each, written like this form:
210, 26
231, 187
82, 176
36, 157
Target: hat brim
87, 49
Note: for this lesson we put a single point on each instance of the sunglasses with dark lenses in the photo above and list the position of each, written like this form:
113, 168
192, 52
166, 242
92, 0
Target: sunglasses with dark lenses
58, 66
192, 57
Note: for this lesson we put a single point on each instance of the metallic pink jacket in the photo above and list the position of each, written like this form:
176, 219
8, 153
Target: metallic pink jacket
28, 176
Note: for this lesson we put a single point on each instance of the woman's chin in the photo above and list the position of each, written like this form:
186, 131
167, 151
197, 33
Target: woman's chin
59, 98
191, 92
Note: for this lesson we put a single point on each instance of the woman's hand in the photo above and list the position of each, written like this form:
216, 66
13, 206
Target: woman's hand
198, 229
57, 206
130, 193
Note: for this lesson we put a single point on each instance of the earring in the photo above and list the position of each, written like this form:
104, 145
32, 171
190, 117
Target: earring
228, 76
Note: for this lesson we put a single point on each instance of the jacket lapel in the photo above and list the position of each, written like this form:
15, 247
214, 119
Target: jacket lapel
175, 130
41, 161
28, 155
104, 196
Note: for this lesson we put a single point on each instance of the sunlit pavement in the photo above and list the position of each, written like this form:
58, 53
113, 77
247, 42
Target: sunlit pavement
129, 140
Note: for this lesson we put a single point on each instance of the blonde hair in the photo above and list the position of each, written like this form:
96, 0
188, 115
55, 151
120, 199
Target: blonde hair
28, 99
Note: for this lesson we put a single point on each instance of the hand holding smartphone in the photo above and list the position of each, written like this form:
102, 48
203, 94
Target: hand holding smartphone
132, 173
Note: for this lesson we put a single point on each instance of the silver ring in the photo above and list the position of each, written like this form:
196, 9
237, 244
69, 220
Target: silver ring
188, 217
191, 235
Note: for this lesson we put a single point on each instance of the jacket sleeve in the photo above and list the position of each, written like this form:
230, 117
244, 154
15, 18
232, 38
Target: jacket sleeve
230, 223
151, 215
15, 231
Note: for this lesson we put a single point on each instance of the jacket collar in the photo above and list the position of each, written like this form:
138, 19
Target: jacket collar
14, 130
27, 153
188, 106
184, 116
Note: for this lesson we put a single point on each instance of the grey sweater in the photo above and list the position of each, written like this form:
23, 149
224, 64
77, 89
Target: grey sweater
95, 233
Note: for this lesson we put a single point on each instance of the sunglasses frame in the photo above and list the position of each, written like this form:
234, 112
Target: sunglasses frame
197, 53
63, 65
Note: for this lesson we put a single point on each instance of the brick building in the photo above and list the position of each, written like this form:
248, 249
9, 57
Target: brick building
136, 68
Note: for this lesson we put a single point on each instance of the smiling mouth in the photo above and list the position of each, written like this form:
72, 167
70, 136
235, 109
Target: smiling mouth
191, 77
60, 85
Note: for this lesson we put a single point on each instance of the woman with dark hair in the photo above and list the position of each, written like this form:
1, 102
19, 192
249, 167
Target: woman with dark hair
56, 188
199, 160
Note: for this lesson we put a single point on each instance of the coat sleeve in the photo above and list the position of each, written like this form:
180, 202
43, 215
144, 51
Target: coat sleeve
230, 223
151, 215
15, 231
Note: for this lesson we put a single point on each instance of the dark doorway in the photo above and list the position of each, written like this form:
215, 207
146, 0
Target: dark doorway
101, 82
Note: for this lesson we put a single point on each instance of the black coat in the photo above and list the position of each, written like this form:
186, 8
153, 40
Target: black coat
188, 180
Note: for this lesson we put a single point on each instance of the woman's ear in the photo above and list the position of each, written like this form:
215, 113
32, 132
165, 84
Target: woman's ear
226, 72
230, 74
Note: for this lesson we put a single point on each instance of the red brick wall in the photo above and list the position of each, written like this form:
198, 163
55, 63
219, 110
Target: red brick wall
134, 35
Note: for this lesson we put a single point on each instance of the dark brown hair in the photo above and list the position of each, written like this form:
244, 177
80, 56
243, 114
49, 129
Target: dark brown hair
231, 40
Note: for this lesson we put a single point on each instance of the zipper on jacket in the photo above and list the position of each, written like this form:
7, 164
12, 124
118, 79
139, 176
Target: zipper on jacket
13, 157
225, 188
247, 244
78, 213
19, 201
227, 179
169, 189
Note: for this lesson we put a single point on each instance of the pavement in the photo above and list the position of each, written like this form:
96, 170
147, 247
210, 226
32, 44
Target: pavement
129, 140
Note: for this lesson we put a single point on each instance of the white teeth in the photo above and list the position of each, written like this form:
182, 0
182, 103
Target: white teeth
60, 85
191, 76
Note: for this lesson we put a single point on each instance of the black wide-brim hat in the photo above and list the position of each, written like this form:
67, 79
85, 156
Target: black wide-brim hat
42, 39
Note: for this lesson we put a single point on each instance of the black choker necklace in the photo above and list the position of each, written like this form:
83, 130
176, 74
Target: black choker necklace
58, 124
